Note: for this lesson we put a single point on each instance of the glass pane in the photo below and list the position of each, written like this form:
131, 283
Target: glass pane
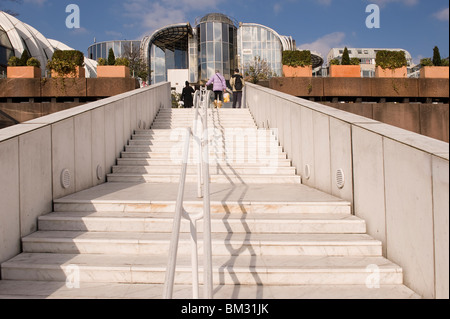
203, 53
231, 35
217, 32
203, 33
218, 51
209, 31
225, 33
209, 51
226, 57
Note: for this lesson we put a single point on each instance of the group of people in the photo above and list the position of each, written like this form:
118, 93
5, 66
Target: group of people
237, 83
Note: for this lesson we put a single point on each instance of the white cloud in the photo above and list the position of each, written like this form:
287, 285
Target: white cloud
442, 15
277, 8
325, 43
152, 15
37, 2
383, 3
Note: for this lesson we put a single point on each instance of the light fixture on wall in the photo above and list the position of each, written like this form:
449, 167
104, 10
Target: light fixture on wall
340, 178
65, 178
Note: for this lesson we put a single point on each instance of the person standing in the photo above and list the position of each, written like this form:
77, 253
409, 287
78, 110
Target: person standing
237, 84
219, 86
186, 96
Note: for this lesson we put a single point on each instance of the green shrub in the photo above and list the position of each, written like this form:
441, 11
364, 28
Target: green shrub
391, 59
297, 58
14, 61
34, 62
111, 57
66, 62
335, 61
101, 61
445, 62
355, 61
426, 62
345, 57
122, 61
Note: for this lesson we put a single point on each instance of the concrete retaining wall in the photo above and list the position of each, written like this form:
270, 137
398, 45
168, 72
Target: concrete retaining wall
85, 141
396, 180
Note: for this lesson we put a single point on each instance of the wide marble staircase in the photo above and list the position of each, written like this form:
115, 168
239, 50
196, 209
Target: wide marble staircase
272, 237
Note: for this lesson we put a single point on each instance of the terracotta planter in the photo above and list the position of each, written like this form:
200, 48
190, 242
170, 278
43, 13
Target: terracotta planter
113, 71
345, 71
435, 72
297, 72
80, 73
389, 73
23, 72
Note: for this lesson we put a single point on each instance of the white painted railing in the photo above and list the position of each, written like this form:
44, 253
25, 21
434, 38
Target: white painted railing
202, 101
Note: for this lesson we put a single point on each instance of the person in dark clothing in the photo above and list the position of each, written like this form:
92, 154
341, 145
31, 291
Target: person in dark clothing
237, 83
187, 96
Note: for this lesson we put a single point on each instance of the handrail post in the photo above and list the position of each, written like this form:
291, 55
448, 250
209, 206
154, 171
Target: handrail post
207, 246
173, 250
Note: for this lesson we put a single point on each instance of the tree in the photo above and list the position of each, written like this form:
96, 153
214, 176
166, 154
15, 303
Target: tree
345, 57
258, 70
111, 57
436, 57
24, 58
138, 66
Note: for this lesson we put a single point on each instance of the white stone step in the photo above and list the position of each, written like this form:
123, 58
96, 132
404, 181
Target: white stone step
212, 162
128, 205
253, 149
236, 244
213, 143
165, 178
19, 289
220, 223
242, 270
213, 169
168, 132
177, 156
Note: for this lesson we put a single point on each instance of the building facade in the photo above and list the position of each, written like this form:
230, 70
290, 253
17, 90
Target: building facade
215, 42
120, 48
367, 57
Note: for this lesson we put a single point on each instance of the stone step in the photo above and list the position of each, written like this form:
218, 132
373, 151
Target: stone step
220, 223
168, 132
20, 289
236, 244
78, 204
242, 270
213, 170
165, 178
213, 162
177, 156
222, 142
253, 149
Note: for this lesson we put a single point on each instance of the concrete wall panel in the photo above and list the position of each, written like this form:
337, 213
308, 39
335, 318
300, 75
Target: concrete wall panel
98, 168
63, 156
409, 214
441, 225
368, 178
35, 177
83, 151
9, 199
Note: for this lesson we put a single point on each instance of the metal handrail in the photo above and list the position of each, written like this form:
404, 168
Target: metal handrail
201, 99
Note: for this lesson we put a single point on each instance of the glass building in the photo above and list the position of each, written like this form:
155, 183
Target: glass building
216, 42
120, 48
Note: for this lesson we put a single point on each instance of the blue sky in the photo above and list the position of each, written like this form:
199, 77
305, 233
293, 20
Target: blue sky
413, 25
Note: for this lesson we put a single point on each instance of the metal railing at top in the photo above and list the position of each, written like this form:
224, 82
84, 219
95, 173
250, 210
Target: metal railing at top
202, 101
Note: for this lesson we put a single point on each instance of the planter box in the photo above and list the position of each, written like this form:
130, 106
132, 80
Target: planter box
296, 72
81, 73
113, 71
345, 71
23, 72
388, 73
434, 72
